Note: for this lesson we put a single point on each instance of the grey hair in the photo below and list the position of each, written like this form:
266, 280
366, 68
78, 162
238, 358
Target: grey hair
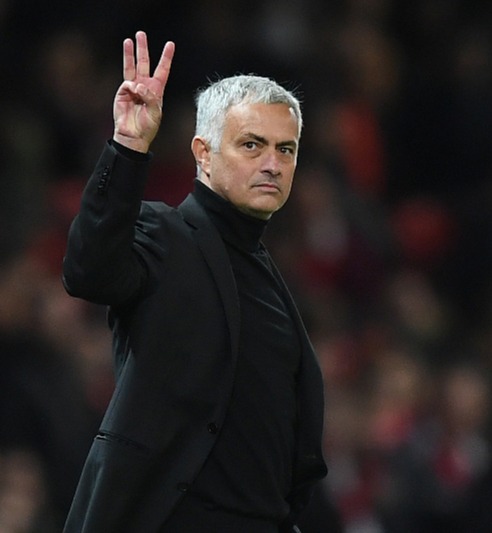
214, 101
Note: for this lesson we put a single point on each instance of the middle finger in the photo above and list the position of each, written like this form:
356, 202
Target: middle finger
143, 63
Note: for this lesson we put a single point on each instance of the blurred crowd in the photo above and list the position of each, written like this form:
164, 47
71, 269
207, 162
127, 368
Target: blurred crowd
385, 242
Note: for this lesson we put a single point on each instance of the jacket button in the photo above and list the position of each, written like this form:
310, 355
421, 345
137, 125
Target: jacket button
103, 185
183, 487
212, 428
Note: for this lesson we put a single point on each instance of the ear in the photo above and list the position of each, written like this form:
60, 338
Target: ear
201, 150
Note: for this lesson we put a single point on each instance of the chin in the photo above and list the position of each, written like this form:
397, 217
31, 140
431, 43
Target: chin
261, 207
262, 212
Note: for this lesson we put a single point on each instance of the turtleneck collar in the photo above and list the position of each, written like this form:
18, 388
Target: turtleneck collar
237, 228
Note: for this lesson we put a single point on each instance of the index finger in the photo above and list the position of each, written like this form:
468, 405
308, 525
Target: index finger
128, 60
162, 69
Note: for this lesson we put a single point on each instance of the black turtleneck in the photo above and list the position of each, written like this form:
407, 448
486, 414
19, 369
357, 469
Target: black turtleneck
250, 468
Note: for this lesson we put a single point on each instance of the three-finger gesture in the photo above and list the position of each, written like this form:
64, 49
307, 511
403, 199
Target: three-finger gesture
137, 109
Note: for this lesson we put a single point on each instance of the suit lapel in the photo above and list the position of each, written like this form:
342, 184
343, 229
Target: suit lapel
215, 254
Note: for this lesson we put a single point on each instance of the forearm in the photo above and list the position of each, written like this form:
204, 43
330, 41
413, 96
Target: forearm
100, 264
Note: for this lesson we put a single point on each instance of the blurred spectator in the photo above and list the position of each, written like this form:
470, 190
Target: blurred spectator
23, 505
45, 418
73, 90
434, 475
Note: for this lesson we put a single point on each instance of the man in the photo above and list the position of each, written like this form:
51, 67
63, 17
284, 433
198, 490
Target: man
215, 423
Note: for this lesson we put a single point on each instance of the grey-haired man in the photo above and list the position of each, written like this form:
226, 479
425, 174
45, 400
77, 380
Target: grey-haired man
216, 419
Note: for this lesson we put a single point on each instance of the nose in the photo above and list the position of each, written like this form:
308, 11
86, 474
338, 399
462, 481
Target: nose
271, 164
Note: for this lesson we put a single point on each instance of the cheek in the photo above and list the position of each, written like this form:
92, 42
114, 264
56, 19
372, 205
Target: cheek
238, 176
229, 178
288, 184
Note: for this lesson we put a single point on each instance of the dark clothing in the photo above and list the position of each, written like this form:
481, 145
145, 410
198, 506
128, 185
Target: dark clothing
250, 468
193, 515
174, 310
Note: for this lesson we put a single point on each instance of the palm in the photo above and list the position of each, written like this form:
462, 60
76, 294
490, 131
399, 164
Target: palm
138, 101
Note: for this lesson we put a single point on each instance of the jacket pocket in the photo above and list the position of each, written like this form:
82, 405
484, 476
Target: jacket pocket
122, 441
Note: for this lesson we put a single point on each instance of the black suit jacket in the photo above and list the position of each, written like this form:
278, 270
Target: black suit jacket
174, 312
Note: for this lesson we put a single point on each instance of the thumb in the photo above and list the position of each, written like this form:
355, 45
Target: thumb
147, 96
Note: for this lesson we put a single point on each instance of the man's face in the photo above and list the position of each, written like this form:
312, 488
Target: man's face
255, 165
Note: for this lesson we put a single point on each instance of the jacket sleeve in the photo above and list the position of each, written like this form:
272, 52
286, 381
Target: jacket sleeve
101, 264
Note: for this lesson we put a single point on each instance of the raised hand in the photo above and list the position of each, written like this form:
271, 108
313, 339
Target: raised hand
137, 108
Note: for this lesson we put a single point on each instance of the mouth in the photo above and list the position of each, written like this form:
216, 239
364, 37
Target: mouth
267, 186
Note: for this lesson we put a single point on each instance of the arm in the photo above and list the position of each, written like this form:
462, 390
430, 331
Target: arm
101, 263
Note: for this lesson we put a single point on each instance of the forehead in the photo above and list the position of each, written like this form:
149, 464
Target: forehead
268, 120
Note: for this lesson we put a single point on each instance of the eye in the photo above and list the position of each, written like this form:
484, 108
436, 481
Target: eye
287, 150
250, 145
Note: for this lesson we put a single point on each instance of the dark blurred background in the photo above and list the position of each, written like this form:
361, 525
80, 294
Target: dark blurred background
386, 241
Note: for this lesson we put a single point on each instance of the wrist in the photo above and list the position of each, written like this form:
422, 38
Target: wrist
137, 145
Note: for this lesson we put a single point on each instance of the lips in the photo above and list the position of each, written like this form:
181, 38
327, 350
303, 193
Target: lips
268, 185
